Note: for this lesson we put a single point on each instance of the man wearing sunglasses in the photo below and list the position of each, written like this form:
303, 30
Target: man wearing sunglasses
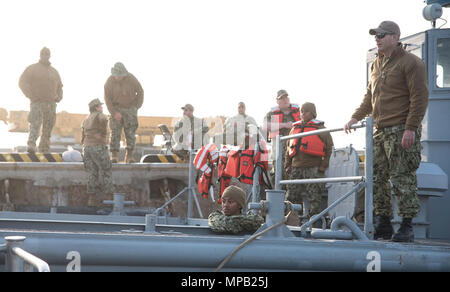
397, 98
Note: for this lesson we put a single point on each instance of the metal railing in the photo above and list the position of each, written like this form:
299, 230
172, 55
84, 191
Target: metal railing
19, 260
190, 189
366, 181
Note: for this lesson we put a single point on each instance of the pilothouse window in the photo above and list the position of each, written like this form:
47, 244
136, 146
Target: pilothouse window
443, 63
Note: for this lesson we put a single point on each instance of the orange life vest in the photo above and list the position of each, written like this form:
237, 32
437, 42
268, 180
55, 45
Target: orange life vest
312, 145
204, 161
278, 116
246, 166
205, 182
222, 163
232, 167
205, 157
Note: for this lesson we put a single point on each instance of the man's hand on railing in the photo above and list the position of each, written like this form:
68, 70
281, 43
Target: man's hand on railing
347, 126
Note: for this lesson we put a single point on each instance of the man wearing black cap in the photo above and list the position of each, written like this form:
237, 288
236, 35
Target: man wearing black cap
42, 84
189, 133
96, 157
397, 98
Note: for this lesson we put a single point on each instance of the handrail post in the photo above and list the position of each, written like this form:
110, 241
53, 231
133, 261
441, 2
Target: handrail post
13, 263
255, 186
368, 165
191, 183
278, 163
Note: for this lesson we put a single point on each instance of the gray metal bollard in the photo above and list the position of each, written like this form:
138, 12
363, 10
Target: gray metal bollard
14, 263
118, 204
275, 207
150, 223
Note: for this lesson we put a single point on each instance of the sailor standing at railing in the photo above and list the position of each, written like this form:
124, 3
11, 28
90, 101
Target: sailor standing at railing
189, 132
236, 127
397, 98
308, 157
279, 122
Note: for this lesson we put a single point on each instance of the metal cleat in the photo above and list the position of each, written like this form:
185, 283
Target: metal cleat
118, 204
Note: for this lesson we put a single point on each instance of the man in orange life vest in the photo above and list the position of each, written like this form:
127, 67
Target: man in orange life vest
279, 122
306, 158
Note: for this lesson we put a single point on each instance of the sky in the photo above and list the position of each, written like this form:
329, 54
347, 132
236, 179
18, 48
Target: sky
212, 54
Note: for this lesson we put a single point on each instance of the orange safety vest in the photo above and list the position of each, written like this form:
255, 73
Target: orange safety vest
278, 116
312, 145
246, 166
232, 167
207, 155
205, 182
224, 181
249, 160
222, 163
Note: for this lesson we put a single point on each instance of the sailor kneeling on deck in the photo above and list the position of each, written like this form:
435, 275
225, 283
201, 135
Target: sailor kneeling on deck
231, 220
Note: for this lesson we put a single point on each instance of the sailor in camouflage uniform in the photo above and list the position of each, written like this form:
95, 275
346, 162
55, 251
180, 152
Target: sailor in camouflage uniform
42, 84
397, 98
230, 219
96, 157
306, 166
123, 97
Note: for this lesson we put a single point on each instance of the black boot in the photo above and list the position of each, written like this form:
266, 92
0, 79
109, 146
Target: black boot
405, 233
383, 227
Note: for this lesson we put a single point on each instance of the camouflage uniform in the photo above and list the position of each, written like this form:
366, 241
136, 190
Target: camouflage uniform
42, 113
97, 164
221, 223
129, 124
400, 165
124, 96
312, 192
42, 84
96, 156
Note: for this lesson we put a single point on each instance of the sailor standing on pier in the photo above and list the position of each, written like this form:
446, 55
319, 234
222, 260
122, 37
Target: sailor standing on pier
96, 157
42, 84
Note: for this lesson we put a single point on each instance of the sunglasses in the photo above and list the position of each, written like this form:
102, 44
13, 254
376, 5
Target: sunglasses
380, 36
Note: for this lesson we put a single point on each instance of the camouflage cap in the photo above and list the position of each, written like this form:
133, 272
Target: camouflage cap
95, 102
235, 193
281, 93
388, 27
119, 70
188, 106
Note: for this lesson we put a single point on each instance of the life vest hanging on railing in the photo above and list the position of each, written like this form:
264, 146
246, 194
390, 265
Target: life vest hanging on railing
204, 161
224, 181
205, 182
207, 155
312, 145
232, 167
246, 166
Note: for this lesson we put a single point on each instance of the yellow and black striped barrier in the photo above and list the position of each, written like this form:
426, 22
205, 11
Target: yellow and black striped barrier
161, 158
31, 157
